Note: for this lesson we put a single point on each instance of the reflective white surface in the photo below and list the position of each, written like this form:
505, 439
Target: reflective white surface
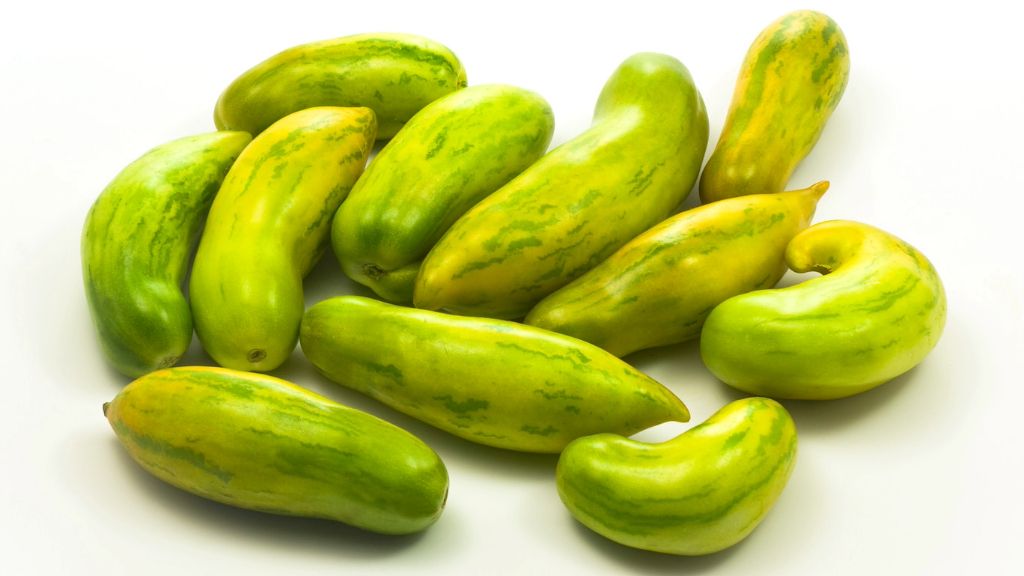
920, 476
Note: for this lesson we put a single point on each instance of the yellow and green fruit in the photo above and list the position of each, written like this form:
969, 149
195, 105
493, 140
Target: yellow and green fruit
268, 226
493, 382
257, 442
452, 154
695, 494
580, 202
395, 75
136, 245
791, 81
876, 313
659, 287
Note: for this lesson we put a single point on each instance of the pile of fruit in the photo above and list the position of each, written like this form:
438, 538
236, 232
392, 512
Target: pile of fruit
465, 224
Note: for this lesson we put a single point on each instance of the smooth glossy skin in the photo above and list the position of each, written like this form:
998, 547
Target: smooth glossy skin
136, 243
659, 288
492, 382
451, 155
395, 75
698, 493
793, 76
877, 312
267, 228
580, 202
261, 443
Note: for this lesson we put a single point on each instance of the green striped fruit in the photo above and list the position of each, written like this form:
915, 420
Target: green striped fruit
489, 381
792, 79
452, 154
698, 493
136, 243
877, 312
261, 443
393, 74
580, 202
659, 288
267, 228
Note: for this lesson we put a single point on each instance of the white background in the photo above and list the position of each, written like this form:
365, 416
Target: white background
921, 476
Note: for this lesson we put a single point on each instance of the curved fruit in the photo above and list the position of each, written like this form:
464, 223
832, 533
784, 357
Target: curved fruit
489, 381
267, 228
659, 288
698, 493
877, 312
260, 443
393, 74
792, 79
452, 154
580, 202
136, 243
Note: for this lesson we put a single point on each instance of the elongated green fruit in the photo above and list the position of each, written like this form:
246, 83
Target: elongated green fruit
659, 288
136, 243
698, 493
261, 443
489, 381
267, 228
877, 312
451, 155
580, 202
791, 80
393, 74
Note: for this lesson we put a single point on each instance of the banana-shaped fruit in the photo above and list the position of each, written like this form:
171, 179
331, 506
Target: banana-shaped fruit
267, 227
698, 493
136, 243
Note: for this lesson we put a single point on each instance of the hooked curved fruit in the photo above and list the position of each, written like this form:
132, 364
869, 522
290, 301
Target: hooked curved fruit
877, 312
